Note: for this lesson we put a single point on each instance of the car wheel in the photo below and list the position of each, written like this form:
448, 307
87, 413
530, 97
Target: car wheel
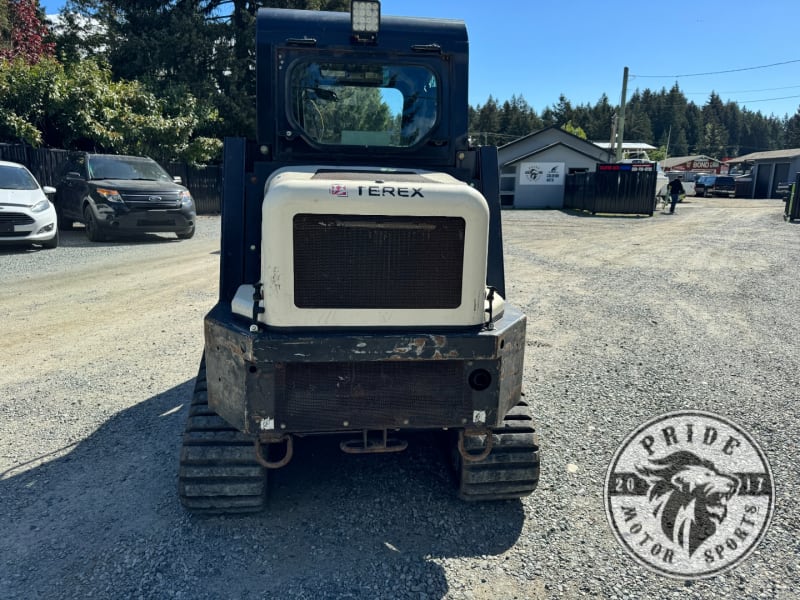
92, 229
51, 243
186, 235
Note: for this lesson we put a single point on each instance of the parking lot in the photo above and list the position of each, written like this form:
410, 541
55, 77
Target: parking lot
628, 317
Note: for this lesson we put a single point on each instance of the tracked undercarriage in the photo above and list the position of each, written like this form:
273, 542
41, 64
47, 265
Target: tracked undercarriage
362, 286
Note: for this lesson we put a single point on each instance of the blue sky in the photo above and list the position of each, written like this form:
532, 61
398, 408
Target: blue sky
580, 48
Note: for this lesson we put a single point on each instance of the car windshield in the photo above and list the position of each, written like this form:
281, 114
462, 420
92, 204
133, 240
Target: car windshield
123, 167
365, 104
16, 178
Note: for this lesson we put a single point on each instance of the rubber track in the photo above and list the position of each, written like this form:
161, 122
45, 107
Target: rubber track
218, 472
512, 468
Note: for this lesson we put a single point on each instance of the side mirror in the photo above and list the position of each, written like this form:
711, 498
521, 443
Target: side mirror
48, 190
72, 175
177, 179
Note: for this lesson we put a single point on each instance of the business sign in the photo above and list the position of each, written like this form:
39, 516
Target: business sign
541, 173
635, 167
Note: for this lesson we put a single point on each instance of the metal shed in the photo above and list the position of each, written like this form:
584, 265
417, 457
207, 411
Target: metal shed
768, 170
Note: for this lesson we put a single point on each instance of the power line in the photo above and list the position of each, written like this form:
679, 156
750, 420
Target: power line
786, 87
786, 62
767, 99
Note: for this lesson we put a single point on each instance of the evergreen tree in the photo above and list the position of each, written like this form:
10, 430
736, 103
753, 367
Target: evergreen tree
487, 123
793, 131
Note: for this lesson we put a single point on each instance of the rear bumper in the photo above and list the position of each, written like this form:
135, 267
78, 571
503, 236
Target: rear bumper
300, 382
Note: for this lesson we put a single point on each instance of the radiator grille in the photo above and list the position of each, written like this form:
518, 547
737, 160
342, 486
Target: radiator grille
374, 261
374, 395
15, 218
151, 201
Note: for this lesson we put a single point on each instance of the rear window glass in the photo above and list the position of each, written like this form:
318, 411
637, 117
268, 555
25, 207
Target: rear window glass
363, 104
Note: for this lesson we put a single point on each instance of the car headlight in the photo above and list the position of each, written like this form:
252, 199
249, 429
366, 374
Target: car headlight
41, 205
186, 199
110, 195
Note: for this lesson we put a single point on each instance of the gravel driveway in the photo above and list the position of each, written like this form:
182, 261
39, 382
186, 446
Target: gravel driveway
628, 318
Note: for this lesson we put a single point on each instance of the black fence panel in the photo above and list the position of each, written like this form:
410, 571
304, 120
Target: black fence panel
619, 188
204, 182
579, 191
42, 162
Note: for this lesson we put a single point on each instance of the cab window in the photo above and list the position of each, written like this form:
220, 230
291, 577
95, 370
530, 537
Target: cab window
349, 104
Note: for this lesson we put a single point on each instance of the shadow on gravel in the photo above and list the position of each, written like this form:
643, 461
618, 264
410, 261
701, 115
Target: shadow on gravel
6, 248
77, 239
582, 213
103, 519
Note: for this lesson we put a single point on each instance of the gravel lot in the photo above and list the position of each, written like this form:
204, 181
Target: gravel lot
629, 317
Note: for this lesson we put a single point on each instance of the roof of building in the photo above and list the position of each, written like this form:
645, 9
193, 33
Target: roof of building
626, 145
540, 131
544, 149
767, 155
668, 163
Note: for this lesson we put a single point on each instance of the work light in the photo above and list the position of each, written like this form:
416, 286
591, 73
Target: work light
365, 19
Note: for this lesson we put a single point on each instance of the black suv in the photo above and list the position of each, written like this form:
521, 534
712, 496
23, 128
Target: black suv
121, 194
715, 185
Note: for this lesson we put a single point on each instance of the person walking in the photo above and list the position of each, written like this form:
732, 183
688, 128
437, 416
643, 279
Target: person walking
675, 191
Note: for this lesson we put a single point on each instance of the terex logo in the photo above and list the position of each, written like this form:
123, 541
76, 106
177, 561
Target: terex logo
386, 190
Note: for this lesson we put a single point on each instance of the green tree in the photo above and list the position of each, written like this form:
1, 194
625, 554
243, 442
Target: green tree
793, 131
570, 128
205, 48
517, 118
487, 123
81, 106
679, 146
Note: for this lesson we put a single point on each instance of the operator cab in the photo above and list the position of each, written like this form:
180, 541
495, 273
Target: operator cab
393, 95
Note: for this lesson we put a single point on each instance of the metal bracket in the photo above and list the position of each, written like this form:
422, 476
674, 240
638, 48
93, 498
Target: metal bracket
487, 448
365, 445
286, 457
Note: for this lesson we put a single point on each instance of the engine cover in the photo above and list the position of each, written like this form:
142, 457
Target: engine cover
349, 247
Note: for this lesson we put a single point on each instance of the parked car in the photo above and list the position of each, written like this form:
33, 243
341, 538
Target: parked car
26, 214
715, 185
114, 195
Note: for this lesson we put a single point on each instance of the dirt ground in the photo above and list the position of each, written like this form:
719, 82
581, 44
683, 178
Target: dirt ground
101, 343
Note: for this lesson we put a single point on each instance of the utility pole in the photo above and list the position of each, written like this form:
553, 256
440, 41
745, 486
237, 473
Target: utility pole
621, 123
613, 135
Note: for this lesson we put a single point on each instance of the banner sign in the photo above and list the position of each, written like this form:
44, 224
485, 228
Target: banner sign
541, 173
627, 167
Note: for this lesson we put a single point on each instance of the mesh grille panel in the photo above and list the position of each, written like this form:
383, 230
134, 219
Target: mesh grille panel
374, 395
373, 261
